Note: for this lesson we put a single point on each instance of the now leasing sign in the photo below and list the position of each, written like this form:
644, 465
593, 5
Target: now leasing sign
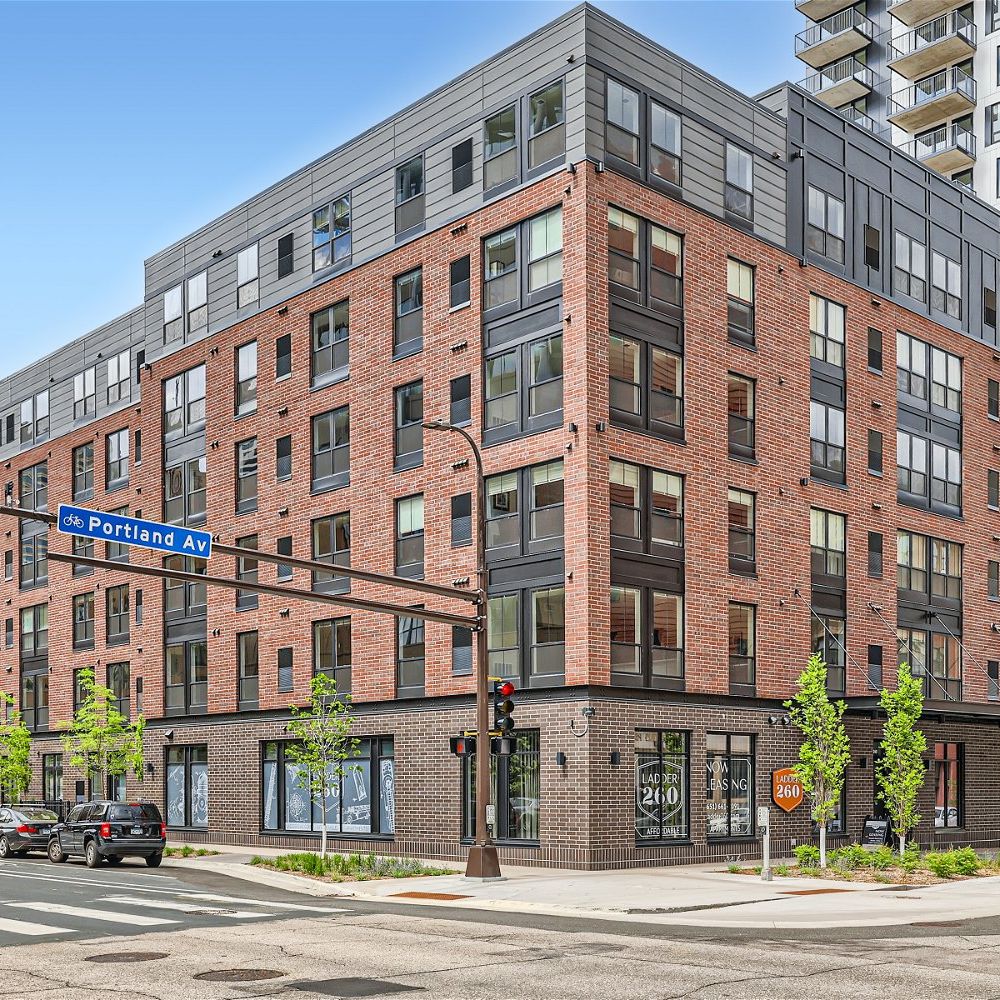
134, 531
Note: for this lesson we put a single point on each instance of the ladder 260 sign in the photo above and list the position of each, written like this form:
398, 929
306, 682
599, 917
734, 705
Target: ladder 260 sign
786, 789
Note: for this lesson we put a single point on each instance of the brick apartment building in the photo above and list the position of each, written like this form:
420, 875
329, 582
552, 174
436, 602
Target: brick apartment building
672, 314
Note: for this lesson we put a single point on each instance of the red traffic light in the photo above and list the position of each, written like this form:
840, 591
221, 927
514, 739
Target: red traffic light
506, 689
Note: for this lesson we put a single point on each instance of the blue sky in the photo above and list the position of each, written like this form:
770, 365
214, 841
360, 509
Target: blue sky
127, 125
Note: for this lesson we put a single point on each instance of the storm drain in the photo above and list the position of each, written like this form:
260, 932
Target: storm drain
128, 956
239, 975
356, 988
429, 895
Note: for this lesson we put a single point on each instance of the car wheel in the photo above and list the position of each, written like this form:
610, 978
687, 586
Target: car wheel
91, 855
55, 852
153, 860
5, 851
113, 859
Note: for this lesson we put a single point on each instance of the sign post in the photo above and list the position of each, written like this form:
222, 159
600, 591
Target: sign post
764, 823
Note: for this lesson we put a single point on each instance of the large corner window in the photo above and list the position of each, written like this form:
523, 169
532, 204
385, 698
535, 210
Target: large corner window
647, 385
507, 283
622, 125
524, 388
516, 791
546, 126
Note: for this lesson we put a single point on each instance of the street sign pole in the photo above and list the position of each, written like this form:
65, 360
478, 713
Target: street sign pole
764, 822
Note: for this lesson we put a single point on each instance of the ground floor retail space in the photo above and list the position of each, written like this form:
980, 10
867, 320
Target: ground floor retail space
635, 781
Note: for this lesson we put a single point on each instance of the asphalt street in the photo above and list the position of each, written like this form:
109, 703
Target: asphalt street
179, 933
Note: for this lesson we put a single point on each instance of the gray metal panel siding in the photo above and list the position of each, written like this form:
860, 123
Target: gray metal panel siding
769, 200
703, 158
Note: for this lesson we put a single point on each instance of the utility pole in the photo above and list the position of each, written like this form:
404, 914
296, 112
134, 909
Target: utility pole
483, 862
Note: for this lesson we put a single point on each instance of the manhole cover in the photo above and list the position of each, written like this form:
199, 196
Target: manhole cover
356, 988
128, 956
239, 975
938, 923
430, 895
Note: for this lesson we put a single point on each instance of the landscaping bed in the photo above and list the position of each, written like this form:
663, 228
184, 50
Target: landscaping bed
855, 864
187, 851
347, 867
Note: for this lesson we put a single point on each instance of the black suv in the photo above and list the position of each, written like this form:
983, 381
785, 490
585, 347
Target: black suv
112, 830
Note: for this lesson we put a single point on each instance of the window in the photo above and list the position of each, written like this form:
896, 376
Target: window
911, 561
331, 449
506, 534
829, 642
874, 350
461, 166
993, 580
946, 380
409, 434
873, 249
875, 667
645, 262
410, 536
247, 277
52, 790
739, 183
33, 485
626, 630
993, 15
729, 762
362, 802
8, 564
138, 607
740, 397
331, 233
503, 645
647, 386
461, 651
742, 645
81, 547
408, 331
500, 149
34, 554
946, 477
331, 543
286, 677
662, 786
246, 571
119, 684
187, 786
825, 226
948, 782
410, 194
826, 331
283, 356
34, 631
246, 378
500, 273
409, 657
946, 569
546, 126
523, 389
85, 394
516, 793
459, 282
990, 302
330, 342
993, 399
117, 551
83, 621
187, 677
910, 271
182, 598
548, 632
742, 550
740, 290
117, 615
138, 447
828, 541
283, 458
119, 378
35, 699
993, 489
83, 471
545, 250
875, 452
826, 440
647, 509
993, 122
461, 519
332, 651
248, 665
664, 144
184, 403
622, 138
286, 255
197, 302
246, 476
460, 393
8, 633
946, 285
33, 416
116, 456
875, 554
283, 546
184, 493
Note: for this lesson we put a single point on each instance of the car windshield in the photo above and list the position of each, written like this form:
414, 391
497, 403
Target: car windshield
40, 815
145, 812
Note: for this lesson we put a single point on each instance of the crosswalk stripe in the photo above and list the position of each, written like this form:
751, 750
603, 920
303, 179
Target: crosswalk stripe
68, 879
111, 917
262, 902
164, 904
27, 928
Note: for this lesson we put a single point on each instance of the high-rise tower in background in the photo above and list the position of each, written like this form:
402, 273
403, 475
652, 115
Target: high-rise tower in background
921, 74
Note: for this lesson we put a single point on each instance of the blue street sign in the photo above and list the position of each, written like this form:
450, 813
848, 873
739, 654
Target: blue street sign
134, 531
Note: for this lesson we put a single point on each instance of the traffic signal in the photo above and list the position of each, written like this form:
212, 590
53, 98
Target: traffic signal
503, 707
463, 746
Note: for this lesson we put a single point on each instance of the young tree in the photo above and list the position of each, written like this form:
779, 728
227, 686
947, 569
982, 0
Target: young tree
825, 752
901, 765
15, 753
324, 744
100, 740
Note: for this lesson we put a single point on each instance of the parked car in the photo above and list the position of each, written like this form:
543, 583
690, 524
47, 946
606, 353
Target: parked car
111, 830
23, 829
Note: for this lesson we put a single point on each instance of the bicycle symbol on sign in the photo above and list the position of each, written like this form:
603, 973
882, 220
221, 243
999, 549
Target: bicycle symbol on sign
73, 521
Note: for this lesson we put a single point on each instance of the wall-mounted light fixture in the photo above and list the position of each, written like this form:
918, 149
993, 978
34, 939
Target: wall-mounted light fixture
614, 758
560, 759
588, 712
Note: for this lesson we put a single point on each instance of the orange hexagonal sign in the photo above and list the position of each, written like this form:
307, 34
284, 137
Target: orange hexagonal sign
786, 789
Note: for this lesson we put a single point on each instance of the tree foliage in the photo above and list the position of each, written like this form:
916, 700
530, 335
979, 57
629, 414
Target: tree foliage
826, 751
901, 765
323, 744
100, 740
15, 753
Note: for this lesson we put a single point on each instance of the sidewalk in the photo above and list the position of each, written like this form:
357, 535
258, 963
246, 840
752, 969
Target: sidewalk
695, 895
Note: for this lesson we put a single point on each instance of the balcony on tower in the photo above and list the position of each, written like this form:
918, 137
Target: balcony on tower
947, 39
841, 83
837, 36
819, 10
912, 12
946, 94
946, 149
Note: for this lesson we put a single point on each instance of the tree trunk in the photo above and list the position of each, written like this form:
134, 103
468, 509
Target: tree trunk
902, 846
822, 845
322, 841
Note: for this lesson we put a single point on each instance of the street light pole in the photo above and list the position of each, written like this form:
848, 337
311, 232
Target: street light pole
483, 862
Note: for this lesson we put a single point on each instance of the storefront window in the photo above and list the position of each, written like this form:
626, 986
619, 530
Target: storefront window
661, 786
516, 791
187, 786
361, 802
948, 784
729, 776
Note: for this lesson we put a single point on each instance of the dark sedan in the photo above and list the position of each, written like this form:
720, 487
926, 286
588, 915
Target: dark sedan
24, 829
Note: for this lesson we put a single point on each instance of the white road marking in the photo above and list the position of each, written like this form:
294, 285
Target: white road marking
164, 904
87, 913
29, 929
261, 902
70, 879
